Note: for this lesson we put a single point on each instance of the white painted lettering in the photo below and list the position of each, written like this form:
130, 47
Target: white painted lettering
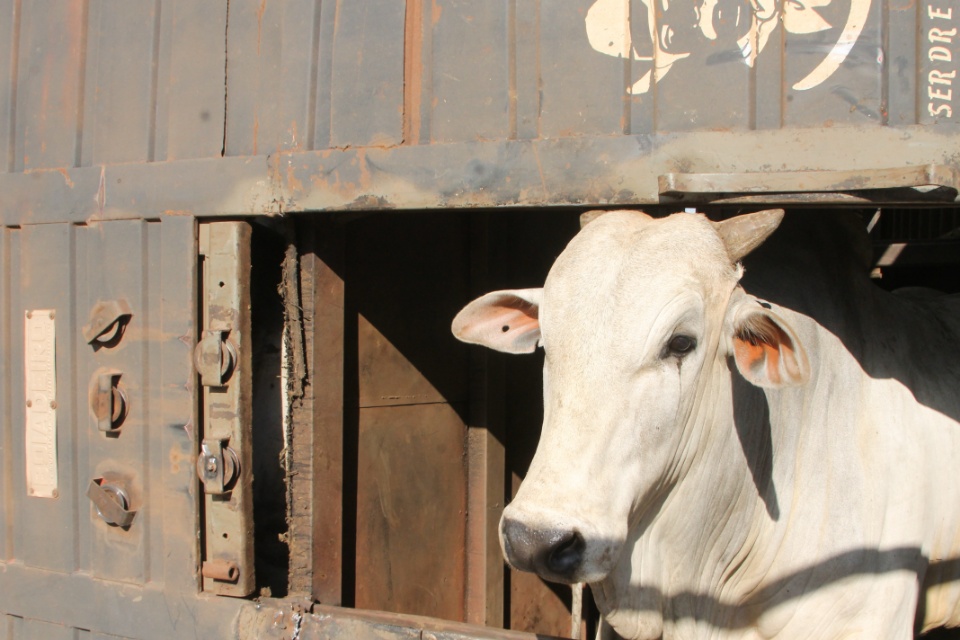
939, 13
937, 94
940, 54
940, 110
942, 35
941, 77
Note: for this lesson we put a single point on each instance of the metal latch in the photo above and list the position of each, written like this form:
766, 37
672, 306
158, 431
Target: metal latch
215, 357
108, 401
111, 503
107, 320
218, 466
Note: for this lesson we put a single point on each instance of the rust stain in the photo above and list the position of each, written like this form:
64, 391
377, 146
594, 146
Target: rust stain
436, 10
293, 182
260, 12
365, 179
66, 178
178, 457
177, 212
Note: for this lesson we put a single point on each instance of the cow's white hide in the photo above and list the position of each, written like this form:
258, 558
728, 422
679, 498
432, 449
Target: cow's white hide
793, 474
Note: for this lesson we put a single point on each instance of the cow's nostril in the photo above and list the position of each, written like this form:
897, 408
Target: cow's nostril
566, 555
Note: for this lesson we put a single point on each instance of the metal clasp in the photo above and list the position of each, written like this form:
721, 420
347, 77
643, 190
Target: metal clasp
217, 467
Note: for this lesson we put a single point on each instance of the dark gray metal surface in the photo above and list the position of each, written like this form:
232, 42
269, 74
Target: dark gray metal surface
410, 105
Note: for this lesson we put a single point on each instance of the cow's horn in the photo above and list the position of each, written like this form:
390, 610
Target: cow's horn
743, 234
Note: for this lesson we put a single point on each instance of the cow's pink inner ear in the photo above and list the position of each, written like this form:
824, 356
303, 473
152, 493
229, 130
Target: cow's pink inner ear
767, 355
500, 321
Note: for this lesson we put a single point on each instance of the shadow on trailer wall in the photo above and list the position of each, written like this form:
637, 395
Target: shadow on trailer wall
405, 443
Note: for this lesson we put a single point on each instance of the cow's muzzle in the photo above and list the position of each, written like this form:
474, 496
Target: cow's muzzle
553, 554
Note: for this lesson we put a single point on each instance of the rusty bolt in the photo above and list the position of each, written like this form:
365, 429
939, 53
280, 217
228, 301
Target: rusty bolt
53, 404
29, 403
211, 465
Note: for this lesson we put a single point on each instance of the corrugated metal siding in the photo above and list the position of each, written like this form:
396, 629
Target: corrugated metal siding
104, 81
69, 269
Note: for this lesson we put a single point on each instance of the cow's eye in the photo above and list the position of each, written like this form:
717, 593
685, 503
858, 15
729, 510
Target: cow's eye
681, 345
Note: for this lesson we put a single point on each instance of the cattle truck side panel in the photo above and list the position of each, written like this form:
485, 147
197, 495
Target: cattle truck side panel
166, 166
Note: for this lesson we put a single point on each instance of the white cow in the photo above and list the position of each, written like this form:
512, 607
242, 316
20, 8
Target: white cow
718, 465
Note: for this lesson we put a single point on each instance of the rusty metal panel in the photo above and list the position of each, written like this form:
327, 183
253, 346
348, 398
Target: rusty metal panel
49, 84
9, 240
43, 528
224, 364
569, 67
271, 76
367, 73
10, 34
120, 451
28, 628
190, 75
470, 63
119, 99
133, 327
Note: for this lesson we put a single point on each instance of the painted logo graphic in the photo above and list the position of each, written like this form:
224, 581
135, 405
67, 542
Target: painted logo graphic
665, 32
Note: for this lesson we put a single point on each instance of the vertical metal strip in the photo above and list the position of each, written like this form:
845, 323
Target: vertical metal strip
228, 567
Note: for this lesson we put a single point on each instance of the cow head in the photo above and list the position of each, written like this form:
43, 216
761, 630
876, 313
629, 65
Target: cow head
636, 318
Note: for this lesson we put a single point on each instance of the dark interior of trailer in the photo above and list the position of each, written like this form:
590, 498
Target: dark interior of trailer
378, 482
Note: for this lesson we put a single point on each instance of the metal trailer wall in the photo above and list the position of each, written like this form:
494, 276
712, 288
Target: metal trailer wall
128, 127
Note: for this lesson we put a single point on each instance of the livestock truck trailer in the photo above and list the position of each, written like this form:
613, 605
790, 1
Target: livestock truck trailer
233, 235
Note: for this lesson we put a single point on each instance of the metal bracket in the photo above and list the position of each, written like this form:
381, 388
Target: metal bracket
111, 503
215, 357
223, 362
922, 183
108, 401
217, 467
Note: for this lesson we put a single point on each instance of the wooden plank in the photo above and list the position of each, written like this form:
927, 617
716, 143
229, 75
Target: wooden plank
486, 492
404, 288
52, 48
325, 265
271, 80
44, 527
367, 82
470, 67
121, 88
191, 77
410, 507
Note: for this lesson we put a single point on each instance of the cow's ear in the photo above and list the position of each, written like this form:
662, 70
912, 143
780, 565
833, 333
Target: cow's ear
766, 349
506, 321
